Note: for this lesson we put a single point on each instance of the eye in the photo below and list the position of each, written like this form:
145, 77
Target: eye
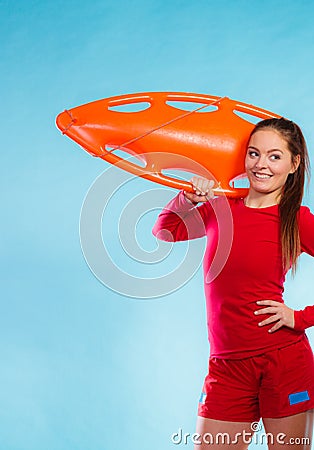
275, 157
253, 153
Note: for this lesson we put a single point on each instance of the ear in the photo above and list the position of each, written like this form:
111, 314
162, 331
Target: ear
295, 163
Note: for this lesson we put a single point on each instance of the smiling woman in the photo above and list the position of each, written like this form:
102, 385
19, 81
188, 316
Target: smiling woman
268, 163
258, 368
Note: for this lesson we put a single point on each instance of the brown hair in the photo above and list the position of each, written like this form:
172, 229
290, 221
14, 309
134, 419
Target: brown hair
292, 191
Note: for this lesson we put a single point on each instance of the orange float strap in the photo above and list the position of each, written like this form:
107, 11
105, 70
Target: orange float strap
163, 136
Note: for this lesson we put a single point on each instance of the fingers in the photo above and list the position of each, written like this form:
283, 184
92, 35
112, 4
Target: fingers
282, 315
278, 323
268, 321
203, 188
276, 327
269, 310
268, 302
274, 310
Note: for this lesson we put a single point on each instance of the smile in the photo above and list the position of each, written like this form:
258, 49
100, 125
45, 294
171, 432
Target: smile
262, 176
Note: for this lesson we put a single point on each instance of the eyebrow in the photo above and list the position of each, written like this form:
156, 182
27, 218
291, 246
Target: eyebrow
268, 151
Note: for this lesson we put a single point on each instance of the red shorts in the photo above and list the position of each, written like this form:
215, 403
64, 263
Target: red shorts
274, 384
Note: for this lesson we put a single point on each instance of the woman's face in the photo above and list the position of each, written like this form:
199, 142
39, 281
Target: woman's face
268, 162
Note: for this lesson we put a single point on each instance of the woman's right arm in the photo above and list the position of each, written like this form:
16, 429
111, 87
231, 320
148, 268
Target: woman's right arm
180, 219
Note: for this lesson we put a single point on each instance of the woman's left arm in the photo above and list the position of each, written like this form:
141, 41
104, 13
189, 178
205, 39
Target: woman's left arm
305, 317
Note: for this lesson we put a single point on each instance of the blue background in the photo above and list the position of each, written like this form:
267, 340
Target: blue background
83, 367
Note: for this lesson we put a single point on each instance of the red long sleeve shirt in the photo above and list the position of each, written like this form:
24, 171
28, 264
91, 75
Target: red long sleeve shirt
248, 269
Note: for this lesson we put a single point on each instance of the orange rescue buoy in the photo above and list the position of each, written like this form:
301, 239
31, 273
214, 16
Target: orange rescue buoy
163, 136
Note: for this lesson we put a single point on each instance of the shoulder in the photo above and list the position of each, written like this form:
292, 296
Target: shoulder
305, 221
306, 227
305, 214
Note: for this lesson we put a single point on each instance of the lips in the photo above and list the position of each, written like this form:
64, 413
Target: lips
262, 176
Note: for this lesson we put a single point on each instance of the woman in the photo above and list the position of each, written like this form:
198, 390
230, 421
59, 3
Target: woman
261, 364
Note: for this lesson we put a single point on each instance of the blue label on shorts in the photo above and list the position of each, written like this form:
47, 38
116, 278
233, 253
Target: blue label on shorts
203, 397
299, 397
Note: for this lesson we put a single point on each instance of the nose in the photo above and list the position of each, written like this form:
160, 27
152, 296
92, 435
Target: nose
261, 162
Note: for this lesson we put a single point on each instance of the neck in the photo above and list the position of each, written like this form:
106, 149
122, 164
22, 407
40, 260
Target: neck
255, 200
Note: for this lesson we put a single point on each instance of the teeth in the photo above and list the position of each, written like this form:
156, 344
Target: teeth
262, 176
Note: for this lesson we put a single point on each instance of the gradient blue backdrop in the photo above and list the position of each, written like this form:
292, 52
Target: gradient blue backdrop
83, 367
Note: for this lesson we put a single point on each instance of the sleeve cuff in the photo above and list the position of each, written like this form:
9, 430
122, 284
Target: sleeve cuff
304, 318
298, 321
